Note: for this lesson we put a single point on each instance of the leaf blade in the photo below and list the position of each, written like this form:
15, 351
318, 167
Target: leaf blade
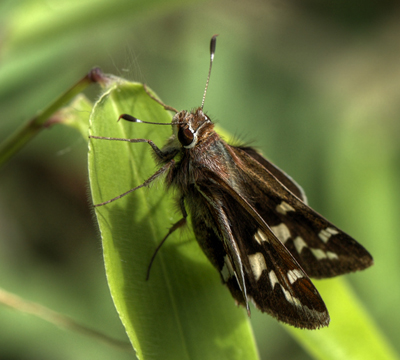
182, 311
352, 334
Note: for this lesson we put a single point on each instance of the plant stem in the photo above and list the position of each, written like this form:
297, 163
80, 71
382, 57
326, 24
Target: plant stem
15, 302
27, 131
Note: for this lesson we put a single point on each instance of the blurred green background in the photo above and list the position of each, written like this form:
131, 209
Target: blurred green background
315, 85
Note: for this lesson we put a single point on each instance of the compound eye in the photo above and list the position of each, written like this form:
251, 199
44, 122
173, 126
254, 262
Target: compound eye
185, 136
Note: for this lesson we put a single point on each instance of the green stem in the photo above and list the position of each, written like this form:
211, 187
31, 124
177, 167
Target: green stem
15, 302
27, 131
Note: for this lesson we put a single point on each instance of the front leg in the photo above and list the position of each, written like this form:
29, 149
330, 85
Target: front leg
161, 155
158, 173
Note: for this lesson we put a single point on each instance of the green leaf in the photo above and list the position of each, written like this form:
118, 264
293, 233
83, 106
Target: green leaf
352, 334
76, 114
183, 311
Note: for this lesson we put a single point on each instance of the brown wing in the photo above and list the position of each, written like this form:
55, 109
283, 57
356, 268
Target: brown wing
254, 263
320, 248
280, 175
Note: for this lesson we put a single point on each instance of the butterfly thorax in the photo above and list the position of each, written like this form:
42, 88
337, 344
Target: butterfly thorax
198, 150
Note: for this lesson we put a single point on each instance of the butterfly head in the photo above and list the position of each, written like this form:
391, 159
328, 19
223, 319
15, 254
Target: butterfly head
190, 127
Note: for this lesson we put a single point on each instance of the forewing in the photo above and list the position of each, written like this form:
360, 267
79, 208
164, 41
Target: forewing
254, 264
320, 248
284, 178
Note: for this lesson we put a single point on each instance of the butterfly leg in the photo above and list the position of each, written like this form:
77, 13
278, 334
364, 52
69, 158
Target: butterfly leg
162, 157
159, 153
177, 225
158, 173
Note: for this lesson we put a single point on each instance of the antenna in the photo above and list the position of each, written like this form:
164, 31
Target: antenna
213, 42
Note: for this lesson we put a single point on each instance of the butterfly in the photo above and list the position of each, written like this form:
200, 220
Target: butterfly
250, 219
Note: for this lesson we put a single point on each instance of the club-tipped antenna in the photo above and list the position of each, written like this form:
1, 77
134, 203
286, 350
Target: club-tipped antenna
131, 118
212, 52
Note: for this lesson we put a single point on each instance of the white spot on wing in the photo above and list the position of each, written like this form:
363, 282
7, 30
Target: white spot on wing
318, 253
260, 236
332, 231
273, 278
257, 263
292, 299
283, 208
331, 255
282, 232
293, 275
325, 234
299, 244
225, 273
